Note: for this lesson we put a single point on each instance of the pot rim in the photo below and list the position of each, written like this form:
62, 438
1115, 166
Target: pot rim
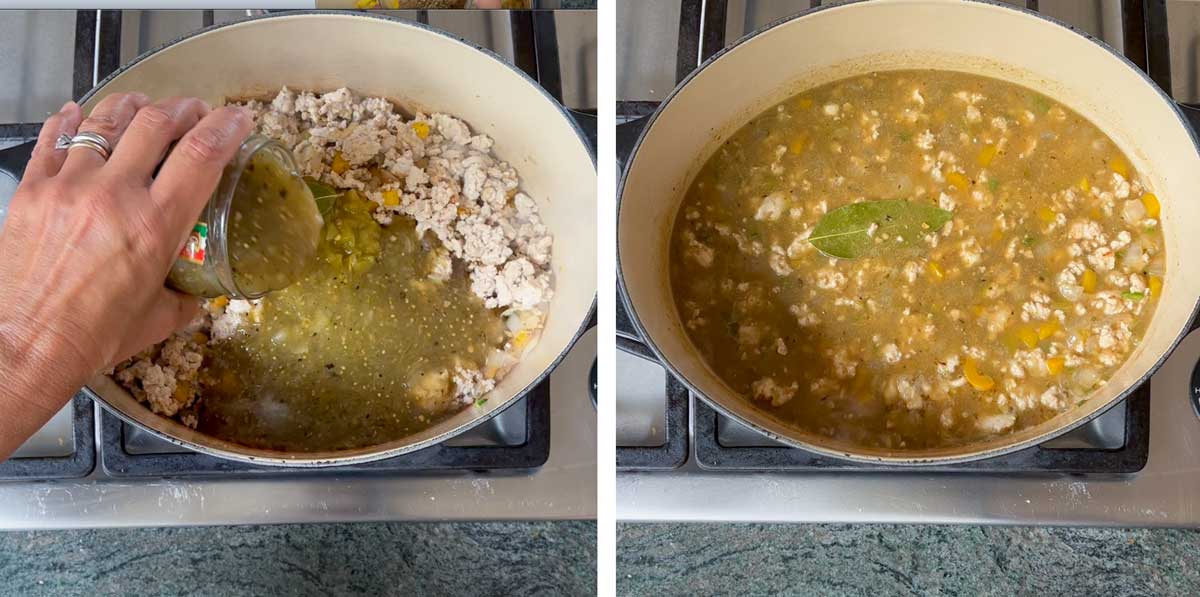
904, 461
367, 453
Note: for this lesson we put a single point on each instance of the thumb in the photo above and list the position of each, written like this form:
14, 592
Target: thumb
170, 312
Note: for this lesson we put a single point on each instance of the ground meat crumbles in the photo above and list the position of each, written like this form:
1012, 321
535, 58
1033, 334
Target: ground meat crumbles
1034, 288
430, 170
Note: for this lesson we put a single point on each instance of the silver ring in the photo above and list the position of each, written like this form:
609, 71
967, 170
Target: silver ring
90, 140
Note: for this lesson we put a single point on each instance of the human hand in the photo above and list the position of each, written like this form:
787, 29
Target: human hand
88, 243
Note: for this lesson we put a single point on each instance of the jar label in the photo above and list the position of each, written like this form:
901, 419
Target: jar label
196, 245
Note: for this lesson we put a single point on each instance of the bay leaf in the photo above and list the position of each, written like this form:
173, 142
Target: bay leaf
323, 194
843, 232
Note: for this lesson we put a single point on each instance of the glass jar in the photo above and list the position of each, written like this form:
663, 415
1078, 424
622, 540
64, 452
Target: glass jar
258, 233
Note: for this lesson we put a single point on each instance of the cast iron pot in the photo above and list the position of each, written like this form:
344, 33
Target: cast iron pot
826, 44
420, 68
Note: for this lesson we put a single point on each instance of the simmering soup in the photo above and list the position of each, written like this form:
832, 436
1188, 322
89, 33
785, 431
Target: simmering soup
917, 259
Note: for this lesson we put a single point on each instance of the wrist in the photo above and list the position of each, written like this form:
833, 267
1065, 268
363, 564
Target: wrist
37, 365
33, 387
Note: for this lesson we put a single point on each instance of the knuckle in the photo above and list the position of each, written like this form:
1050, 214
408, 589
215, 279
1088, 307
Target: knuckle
54, 122
154, 117
204, 145
191, 102
238, 117
124, 99
128, 102
104, 123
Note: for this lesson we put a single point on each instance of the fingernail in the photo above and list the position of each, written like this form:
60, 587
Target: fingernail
65, 106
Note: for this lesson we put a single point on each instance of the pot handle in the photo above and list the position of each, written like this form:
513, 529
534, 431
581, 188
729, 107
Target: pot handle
627, 136
586, 122
628, 339
1192, 113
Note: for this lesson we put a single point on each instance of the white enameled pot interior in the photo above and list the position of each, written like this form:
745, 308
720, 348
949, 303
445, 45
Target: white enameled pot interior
422, 70
852, 39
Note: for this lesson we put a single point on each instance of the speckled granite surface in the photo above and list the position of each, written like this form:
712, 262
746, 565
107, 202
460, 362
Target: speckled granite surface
745, 559
555, 558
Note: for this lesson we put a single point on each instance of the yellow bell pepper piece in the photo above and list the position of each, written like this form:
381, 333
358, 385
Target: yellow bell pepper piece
1047, 329
1153, 208
1088, 281
1119, 165
796, 146
936, 270
1055, 365
521, 339
421, 129
986, 155
1084, 185
805, 103
958, 180
1028, 337
1046, 214
977, 380
391, 198
1156, 283
366, 4
340, 165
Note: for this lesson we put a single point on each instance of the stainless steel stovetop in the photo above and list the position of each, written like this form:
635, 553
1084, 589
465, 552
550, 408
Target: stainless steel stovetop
39, 74
1165, 492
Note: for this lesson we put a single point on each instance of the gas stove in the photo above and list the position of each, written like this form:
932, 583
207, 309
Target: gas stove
679, 459
87, 468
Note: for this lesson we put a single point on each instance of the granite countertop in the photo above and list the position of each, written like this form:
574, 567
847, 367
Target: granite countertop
755, 559
556, 558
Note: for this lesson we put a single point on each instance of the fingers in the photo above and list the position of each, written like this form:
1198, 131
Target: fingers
46, 161
152, 130
109, 119
190, 174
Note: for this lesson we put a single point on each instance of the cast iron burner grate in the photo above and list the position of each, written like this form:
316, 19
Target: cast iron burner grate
78, 463
518, 438
1117, 442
